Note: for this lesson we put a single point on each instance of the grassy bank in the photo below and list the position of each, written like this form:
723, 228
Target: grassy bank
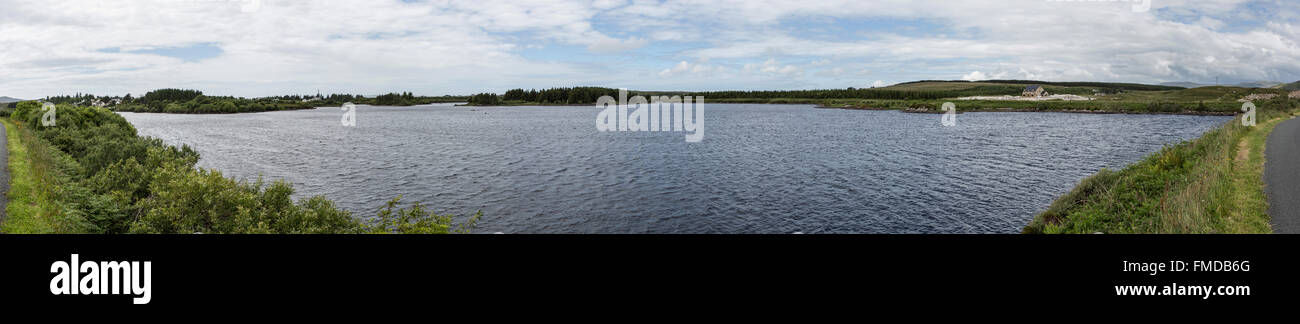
1213, 184
1096, 106
33, 206
91, 173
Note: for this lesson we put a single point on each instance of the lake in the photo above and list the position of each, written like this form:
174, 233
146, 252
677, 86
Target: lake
759, 168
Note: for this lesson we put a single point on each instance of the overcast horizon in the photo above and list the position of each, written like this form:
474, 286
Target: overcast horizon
254, 48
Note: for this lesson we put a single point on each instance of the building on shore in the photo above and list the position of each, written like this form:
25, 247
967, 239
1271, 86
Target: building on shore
1034, 91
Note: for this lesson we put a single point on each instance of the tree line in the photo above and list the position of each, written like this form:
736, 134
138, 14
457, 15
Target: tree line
188, 101
574, 95
589, 95
859, 93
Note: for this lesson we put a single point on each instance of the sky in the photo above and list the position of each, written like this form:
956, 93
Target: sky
254, 48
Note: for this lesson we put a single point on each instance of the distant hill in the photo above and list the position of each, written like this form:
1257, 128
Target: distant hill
1185, 84
1259, 84
1101, 85
1290, 86
9, 99
1251, 84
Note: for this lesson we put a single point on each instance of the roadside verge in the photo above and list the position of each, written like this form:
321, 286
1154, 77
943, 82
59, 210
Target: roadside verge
1213, 184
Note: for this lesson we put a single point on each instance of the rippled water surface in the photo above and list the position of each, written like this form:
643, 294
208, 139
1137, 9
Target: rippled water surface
760, 168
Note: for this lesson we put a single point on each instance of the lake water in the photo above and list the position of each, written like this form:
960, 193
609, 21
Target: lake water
759, 169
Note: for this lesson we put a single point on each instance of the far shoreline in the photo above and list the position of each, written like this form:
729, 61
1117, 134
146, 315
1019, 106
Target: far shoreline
1070, 111
823, 105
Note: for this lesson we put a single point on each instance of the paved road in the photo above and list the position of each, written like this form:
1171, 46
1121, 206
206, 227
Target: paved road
4, 172
1282, 176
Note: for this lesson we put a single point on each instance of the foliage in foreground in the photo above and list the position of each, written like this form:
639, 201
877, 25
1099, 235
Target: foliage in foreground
91, 173
32, 206
1209, 185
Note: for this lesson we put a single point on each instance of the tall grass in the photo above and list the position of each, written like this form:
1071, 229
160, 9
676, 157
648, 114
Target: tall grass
1213, 184
34, 171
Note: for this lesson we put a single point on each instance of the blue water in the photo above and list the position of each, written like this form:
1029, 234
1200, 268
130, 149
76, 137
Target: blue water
759, 169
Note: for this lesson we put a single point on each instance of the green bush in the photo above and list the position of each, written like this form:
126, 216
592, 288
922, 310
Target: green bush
109, 180
417, 220
485, 99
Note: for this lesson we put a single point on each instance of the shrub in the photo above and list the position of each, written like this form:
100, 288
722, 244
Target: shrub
485, 99
103, 178
417, 220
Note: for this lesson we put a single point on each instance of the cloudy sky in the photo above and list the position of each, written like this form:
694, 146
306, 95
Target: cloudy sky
270, 47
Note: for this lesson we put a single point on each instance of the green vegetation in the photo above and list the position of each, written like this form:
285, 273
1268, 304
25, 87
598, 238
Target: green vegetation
589, 95
391, 99
1098, 106
1204, 100
91, 173
1213, 184
852, 93
928, 96
1211, 93
177, 101
1096, 85
1290, 86
553, 96
32, 204
485, 99
181, 101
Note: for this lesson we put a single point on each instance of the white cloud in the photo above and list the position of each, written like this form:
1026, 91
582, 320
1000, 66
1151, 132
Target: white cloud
771, 66
699, 69
289, 46
614, 45
1211, 23
1084, 39
464, 46
679, 68
975, 76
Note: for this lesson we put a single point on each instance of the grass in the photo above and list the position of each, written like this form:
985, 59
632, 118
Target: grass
1184, 107
1015, 86
1008, 88
925, 96
33, 206
1213, 184
1203, 100
1215, 93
